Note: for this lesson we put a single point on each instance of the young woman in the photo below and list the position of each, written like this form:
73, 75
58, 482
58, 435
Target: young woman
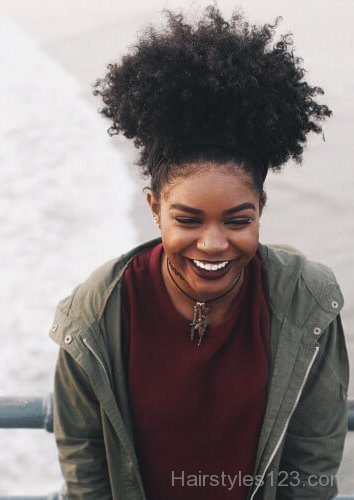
205, 365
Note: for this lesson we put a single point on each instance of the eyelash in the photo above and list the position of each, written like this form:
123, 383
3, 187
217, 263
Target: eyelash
234, 222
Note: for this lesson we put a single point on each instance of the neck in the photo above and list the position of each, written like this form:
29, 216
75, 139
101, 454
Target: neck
219, 306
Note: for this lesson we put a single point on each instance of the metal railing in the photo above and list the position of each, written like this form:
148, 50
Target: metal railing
37, 413
27, 413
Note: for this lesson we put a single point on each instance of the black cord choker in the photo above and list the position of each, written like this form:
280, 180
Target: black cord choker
200, 316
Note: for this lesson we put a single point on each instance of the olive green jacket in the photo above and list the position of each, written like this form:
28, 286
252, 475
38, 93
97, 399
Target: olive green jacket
305, 421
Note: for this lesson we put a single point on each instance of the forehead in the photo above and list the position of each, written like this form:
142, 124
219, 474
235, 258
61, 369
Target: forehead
210, 185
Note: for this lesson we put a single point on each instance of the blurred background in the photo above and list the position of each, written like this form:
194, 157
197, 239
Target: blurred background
71, 198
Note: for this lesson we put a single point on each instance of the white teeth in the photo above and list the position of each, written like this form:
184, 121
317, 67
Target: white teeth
211, 267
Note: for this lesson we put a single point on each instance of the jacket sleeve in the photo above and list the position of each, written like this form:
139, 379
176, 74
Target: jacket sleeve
314, 442
78, 433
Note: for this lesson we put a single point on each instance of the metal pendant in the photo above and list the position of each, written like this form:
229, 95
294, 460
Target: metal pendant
200, 321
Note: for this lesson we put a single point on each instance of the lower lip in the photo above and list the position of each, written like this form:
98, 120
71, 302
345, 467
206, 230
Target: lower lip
211, 275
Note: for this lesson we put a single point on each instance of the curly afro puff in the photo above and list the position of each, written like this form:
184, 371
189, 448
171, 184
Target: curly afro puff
223, 80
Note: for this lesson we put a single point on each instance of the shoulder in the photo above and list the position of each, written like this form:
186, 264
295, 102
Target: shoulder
88, 301
290, 261
290, 274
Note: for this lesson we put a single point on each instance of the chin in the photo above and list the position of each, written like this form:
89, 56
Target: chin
211, 285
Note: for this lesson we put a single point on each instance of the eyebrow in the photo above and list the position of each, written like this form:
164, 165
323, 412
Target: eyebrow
196, 211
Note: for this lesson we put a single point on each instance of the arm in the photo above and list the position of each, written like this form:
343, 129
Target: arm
78, 433
315, 439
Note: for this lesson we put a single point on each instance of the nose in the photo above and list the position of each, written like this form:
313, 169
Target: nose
213, 241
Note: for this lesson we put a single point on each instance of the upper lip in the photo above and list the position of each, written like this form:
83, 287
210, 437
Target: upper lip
211, 261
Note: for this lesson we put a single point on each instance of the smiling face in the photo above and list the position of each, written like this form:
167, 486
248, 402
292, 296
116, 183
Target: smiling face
209, 227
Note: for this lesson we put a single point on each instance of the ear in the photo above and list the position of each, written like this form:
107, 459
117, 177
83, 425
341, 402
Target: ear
153, 202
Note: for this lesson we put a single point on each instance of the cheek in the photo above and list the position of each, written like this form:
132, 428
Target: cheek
247, 241
175, 241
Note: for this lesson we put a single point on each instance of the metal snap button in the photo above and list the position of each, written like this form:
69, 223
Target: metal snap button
317, 330
68, 339
54, 328
334, 304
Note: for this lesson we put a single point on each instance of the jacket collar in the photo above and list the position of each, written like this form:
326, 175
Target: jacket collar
299, 292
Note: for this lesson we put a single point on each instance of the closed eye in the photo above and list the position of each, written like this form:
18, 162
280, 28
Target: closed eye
187, 220
241, 221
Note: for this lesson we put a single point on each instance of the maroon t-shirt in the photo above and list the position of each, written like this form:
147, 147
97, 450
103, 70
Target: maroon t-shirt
197, 410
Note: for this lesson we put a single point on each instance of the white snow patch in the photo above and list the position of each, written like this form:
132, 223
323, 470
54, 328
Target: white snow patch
65, 197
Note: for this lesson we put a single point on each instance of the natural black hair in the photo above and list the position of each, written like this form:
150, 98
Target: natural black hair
213, 90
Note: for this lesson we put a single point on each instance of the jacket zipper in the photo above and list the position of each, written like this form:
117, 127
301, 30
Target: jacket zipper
287, 421
97, 357
90, 348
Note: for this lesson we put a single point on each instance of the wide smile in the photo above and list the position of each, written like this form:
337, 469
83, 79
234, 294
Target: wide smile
210, 265
210, 269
